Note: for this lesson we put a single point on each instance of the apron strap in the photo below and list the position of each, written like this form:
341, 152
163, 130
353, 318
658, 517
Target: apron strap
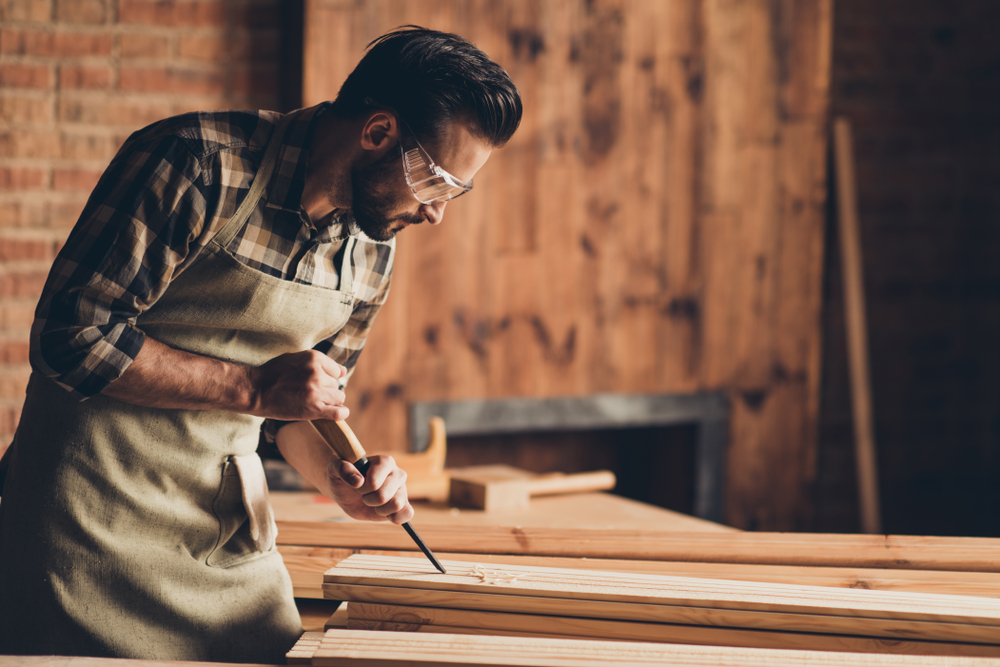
260, 181
347, 266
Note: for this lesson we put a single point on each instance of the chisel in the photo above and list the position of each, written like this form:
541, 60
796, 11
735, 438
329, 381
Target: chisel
345, 444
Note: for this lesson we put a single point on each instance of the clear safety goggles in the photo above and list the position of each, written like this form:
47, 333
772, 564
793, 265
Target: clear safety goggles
428, 182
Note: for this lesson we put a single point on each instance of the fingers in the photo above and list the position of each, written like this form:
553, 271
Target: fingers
300, 385
382, 491
331, 367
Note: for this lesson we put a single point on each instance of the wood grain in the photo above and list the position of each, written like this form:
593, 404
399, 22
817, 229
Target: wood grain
656, 224
306, 565
862, 411
389, 649
967, 554
641, 596
429, 619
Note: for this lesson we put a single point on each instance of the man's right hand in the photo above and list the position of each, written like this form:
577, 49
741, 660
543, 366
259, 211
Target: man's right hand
299, 386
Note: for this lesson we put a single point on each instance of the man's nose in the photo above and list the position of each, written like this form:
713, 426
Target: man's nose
434, 212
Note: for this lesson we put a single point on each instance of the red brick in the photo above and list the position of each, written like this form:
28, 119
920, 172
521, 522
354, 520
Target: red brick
58, 44
14, 352
13, 178
25, 110
14, 75
17, 313
86, 147
24, 284
74, 179
81, 11
38, 11
171, 80
144, 46
25, 249
182, 13
27, 212
64, 214
79, 76
13, 382
112, 111
29, 143
215, 48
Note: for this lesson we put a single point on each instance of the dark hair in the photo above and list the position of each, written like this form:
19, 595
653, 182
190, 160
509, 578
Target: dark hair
431, 78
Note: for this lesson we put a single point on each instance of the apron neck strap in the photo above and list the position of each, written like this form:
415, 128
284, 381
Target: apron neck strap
347, 266
260, 181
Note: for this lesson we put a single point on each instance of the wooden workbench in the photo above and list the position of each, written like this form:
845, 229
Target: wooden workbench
580, 510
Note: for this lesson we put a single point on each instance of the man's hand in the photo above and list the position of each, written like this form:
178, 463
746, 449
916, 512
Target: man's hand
293, 386
298, 386
379, 496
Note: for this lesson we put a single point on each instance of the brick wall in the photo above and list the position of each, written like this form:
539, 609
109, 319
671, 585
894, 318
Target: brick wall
920, 79
76, 78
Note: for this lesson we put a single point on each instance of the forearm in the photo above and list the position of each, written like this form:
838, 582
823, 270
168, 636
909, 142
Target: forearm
163, 377
304, 449
292, 386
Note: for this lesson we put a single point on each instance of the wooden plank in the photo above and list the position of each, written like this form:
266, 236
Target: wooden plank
423, 619
639, 597
389, 649
968, 554
80, 661
679, 615
585, 510
306, 565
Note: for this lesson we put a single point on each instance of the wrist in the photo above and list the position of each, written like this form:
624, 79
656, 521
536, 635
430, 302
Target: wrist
246, 390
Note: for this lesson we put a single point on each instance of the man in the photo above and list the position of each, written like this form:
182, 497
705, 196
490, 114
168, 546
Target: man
218, 256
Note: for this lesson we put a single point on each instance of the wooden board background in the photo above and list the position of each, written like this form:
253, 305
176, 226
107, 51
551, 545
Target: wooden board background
655, 226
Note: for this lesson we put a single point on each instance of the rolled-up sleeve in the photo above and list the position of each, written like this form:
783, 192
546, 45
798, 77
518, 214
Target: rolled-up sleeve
135, 231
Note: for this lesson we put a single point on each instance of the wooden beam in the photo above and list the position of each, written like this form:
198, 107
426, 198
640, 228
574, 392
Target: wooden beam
661, 599
306, 566
365, 616
362, 648
967, 554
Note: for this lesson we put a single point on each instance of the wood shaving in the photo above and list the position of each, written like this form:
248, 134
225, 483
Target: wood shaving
495, 577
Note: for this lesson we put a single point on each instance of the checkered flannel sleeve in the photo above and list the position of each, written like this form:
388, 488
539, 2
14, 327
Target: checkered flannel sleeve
142, 221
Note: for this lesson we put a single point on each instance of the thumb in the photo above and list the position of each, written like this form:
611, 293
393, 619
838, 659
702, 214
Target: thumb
347, 472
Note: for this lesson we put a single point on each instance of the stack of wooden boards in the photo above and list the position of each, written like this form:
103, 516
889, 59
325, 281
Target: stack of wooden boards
872, 595
360, 648
393, 593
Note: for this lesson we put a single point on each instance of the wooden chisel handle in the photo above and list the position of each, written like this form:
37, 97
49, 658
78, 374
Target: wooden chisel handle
341, 439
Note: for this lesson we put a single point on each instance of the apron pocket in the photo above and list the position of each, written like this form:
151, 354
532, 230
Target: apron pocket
246, 523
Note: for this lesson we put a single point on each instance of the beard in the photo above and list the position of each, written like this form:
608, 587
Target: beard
373, 199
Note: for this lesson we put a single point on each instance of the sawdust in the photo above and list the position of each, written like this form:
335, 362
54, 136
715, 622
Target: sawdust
496, 577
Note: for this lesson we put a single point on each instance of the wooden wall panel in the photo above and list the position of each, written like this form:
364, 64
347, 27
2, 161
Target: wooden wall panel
654, 226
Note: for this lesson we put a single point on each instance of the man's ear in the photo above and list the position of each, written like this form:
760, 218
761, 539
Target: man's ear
380, 131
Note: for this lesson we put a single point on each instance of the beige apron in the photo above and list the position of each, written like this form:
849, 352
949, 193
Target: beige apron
146, 533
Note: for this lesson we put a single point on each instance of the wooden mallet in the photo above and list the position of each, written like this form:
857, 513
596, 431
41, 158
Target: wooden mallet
495, 487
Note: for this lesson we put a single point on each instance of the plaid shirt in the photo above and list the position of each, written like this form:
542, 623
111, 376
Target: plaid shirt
166, 193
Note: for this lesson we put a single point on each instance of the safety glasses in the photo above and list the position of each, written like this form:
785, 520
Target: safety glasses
428, 182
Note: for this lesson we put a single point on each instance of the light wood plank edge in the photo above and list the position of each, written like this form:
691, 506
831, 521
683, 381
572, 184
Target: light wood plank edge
969, 554
431, 619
